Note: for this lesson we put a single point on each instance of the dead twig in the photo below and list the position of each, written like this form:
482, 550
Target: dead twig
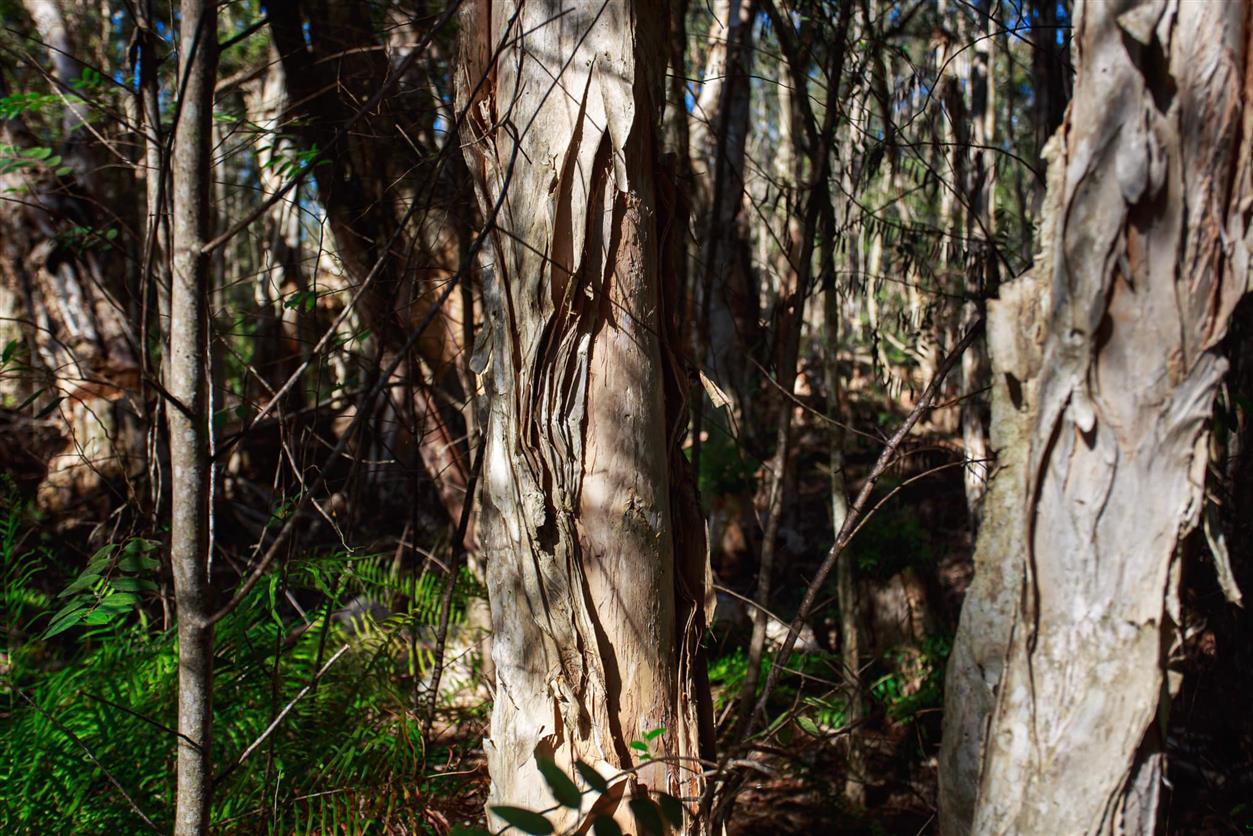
274, 724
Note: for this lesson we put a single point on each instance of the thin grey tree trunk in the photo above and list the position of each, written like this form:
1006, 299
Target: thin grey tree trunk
1105, 371
189, 417
845, 570
849, 601
982, 265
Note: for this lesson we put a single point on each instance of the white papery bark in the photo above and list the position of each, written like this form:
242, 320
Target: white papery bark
593, 543
1105, 373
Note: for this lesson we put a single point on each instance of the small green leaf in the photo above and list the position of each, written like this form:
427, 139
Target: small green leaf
137, 563
605, 826
39, 152
101, 559
648, 816
304, 300
133, 585
119, 601
99, 616
564, 790
671, 808
525, 820
48, 410
71, 619
808, 726
83, 581
639, 746
650, 736
110, 234
134, 556
63, 171
9, 348
593, 778
53, 161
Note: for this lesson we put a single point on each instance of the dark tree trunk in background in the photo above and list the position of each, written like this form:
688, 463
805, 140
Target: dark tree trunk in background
726, 295
381, 191
1050, 64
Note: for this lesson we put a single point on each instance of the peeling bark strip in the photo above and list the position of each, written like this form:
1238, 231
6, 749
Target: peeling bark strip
1105, 376
596, 562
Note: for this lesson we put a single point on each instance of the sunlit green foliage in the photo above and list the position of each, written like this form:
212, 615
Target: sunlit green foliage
349, 751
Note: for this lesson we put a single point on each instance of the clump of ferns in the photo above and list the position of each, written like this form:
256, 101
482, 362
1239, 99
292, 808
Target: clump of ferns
353, 736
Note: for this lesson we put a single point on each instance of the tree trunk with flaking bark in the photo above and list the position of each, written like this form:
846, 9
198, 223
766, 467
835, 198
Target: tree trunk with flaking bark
596, 568
67, 303
332, 58
191, 165
1105, 370
282, 328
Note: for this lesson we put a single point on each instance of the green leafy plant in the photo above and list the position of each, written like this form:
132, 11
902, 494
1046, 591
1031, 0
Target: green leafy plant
16, 105
726, 676
916, 682
650, 813
822, 715
89, 80
109, 587
40, 157
347, 757
19, 599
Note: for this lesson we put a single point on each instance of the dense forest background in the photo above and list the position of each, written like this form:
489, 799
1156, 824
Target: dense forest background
325, 326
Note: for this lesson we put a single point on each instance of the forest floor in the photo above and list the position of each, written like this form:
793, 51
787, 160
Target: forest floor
921, 534
913, 561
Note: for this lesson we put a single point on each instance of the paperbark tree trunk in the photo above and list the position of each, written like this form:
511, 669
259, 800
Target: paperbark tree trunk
188, 368
1105, 372
596, 562
332, 58
67, 303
